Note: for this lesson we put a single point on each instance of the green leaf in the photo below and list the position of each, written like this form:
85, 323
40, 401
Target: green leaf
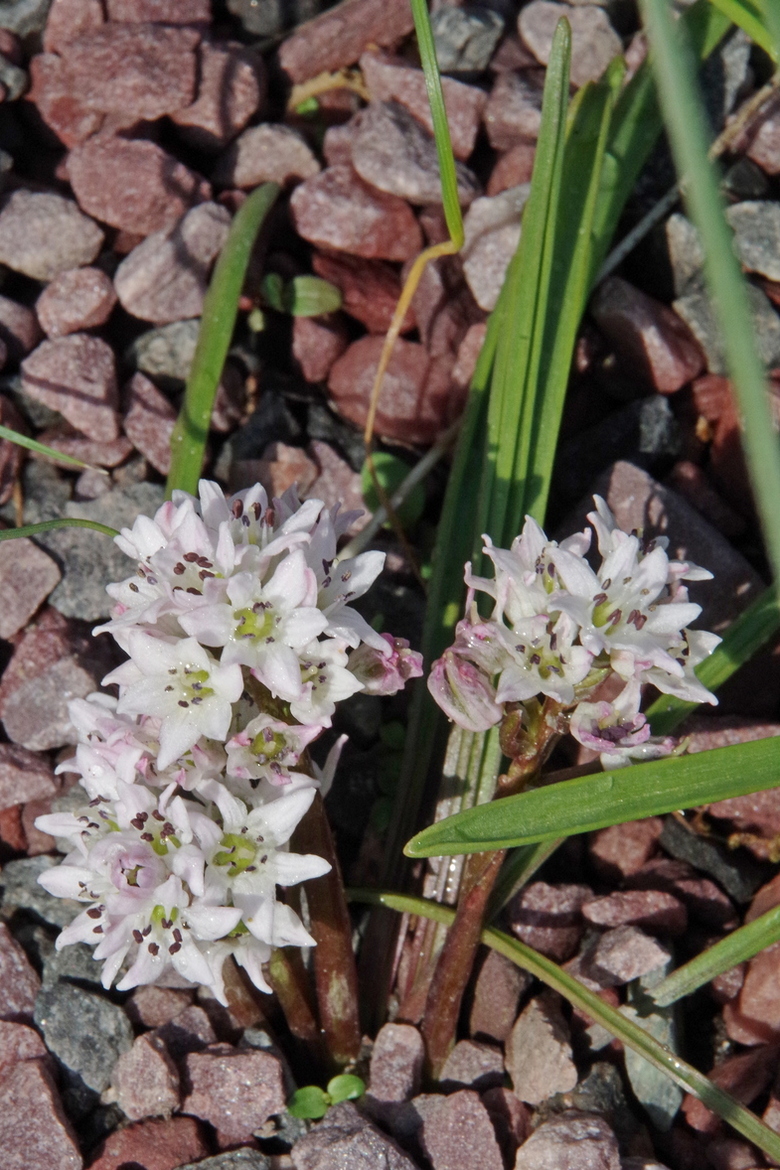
272, 288
41, 449
441, 128
345, 1087
675, 73
748, 15
391, 472
311, 296
605, 798
741, 944
220, 309
310, 1103
624, 1028
49, 525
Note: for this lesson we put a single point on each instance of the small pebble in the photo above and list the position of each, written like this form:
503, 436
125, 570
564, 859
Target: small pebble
76, 376
42, 235
268, 153
81, 298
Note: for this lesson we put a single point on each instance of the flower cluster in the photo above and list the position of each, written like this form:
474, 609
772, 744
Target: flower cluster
558, 629
241, 640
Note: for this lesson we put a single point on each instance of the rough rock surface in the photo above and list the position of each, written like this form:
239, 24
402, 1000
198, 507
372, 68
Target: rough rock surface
396, 1063
42, 235
27, 577
344, 1139
237, 1091
548, 917
34, 1132
457, 1134
164, 279
578, 1141
80, 298
20, 984
146, 1079
76, 376
339, 36
268, 153
538, 1052
594, 41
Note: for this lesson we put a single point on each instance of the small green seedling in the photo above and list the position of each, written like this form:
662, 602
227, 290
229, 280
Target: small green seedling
391, 472
303, 296
311, 1102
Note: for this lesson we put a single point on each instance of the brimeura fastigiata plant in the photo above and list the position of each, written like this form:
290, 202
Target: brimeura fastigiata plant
559, 630
241, 641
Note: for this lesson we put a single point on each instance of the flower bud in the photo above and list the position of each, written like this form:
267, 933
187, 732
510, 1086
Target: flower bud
464, 692
385, 672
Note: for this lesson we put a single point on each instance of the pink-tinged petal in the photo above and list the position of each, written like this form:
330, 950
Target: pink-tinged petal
464, 693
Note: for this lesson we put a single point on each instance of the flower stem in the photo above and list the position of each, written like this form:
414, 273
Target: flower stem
335, 973
457, 957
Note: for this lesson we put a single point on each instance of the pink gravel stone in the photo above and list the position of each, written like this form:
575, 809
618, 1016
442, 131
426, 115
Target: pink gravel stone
574, 1140
231, 87
764, 145
160, 11
34, 1132
24, 776
648, 336
417, 400
538, 1051
472, 1064
513, 113
396, 1063
594, 41
189, 1031
67, 19
136, 70
744, 1076
393, 79
51, 92
42, 234
346, 1140
695, 486
499, 985
19, 329
549, 918
339, 36
164, 279
53, 663
336, 482
443, 306
154, 1145
705, 901
512, 169
19, 1043
69, 442
457, 1134
266, 153
27, 577
19, 984
154, 1006
621, 850
511, 1120
237, 1091
146, 1080
76, 376
370, 289
133, 184
621, 955
79, 299
336, 209
468, 355
754, 1018
149, 421
337, 143
316, 344
282, 467
654, 910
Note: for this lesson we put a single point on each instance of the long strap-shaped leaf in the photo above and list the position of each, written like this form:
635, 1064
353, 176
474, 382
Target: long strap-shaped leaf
748, 15
605, 798
220, 309
625, 1029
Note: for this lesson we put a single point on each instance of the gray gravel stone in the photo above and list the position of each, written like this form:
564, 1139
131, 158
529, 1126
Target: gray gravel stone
393, 153
655, 1091
90, 560
13, 78
697, 313
74, 964
20, 891
739, 875
686, 255
756, 225
86, 1032
246, 1159
465, 37
166, 354
42, 234
267, 18
24, 16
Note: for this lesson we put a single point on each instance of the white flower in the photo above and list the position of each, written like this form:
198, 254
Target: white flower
179, 682
268, 749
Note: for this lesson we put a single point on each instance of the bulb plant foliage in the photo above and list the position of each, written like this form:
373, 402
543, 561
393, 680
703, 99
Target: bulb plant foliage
241, 640
559, 630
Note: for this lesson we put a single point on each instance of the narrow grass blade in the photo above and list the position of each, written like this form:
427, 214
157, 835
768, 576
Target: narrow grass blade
604, 798
741, 944
49, 525
681, 104
748, 15
220, 308
441, 128
744, 637
41, 449
625, 1029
